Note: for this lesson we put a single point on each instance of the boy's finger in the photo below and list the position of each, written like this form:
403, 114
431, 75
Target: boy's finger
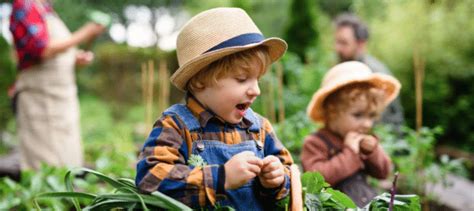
269, 159
254, 169
247, 153
255, 161
272, 174
271, 166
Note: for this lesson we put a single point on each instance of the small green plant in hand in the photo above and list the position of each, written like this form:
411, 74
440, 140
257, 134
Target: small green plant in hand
197, 161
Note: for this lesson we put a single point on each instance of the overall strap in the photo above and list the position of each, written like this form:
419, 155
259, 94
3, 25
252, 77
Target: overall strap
256, 120
192, 123
182, 111
331, 148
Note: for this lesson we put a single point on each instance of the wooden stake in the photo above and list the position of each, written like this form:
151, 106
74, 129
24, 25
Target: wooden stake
144, 83
281, 105
271, 100
149, 95
164, 84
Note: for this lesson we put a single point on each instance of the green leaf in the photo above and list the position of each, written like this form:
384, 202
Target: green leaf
110, 204
174, 204
341, 198
62, 195
196, 160
100, 17
132, 190
323, 196
283, 203
127, 181
313, 181
70, 188
312, 203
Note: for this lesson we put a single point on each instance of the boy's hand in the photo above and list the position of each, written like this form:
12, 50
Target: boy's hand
368, 144
272, 174
240, 169
352, 140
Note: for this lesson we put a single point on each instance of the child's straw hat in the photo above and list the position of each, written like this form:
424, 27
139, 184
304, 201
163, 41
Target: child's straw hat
349, 73
214, 34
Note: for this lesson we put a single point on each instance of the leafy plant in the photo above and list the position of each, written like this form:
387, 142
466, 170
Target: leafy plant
8, 73
292, 132
319, 195
124, 196
401, 203
197, 161
414, 157
19, 196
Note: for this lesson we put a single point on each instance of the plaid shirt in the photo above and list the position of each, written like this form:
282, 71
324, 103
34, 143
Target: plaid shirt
29, 30
163, 160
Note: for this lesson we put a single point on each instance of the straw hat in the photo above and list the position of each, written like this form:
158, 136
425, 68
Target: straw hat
214, 34
349, 73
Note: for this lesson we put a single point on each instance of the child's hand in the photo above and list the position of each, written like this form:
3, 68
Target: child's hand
368, 144
84, 58
240, 169
272, 174
352, 140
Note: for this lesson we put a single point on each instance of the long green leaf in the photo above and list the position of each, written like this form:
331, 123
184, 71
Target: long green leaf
128, 189
172, 203
61, 195
70, 188
111, 181
109, 204
147, 199
127, 181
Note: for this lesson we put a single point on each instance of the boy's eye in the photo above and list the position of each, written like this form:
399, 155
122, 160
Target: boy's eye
358, 114
241, 79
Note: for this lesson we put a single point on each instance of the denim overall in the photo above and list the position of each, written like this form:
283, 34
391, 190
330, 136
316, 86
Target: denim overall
215, 152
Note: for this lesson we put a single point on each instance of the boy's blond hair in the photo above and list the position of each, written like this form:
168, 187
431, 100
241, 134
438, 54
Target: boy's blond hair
254, 59
343, 98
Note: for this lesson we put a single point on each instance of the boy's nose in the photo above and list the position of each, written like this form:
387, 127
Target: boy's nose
254, 89
367, 124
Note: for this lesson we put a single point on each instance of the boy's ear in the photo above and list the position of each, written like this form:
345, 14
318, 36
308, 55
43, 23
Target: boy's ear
199, 85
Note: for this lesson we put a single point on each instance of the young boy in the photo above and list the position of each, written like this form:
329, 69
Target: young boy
215, 151
350, 99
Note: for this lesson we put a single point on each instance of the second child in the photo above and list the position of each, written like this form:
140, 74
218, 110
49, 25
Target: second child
344, 151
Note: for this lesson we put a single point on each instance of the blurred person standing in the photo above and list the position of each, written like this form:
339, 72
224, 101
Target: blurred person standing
351, 37
47, 105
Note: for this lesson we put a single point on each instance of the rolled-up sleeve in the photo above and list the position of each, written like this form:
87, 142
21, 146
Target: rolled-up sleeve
162, 167
273, 146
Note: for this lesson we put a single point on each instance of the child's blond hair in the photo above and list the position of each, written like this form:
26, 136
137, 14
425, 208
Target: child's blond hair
254, 59
343, 98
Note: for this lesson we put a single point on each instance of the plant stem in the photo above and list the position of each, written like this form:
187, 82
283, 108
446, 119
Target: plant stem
392, 192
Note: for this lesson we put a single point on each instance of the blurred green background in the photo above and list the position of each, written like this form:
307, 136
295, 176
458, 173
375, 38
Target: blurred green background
115, 120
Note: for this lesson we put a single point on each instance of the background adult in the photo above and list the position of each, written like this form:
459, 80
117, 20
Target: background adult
46, 92
351, 37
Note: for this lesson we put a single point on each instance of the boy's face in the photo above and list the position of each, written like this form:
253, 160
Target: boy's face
356, 118
231, 97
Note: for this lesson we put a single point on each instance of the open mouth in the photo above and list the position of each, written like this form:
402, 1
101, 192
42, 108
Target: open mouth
243, 106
